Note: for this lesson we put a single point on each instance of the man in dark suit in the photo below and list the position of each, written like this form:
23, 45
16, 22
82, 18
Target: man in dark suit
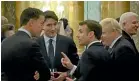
93, 63
130, 24
59, 44
20, 56
122, 52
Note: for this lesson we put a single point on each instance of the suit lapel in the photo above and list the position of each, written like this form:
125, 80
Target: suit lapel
57, 51
114, 46
44, 51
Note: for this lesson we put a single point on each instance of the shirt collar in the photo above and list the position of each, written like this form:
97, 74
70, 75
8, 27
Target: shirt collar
92, 43
24, 30
115, 41
129, 35
47, 38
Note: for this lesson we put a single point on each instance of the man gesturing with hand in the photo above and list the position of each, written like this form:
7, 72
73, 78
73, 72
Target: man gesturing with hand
92, 65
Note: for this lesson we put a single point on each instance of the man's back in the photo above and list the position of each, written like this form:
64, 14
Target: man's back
21, 58
93, 64
124, 60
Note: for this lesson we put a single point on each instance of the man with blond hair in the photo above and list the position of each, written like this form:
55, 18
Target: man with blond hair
121, 50
129, 24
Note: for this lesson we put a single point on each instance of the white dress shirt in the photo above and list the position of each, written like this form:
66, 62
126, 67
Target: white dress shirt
24, 30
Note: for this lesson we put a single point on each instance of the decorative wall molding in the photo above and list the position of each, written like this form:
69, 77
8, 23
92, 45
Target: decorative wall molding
9, 11
92, 10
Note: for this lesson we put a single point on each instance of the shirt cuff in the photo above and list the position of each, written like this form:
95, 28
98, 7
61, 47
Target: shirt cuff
73, 70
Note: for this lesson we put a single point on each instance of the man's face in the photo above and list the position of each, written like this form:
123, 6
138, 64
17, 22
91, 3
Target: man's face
131, 25
50, 27
83, 35
58, 26
107, 36
38, 26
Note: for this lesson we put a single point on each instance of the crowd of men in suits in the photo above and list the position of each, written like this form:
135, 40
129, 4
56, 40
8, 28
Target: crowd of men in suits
54, 57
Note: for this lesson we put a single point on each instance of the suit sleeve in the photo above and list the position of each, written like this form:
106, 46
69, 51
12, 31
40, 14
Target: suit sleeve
89, 66
39, 62
85, 66
76, 73
72, 53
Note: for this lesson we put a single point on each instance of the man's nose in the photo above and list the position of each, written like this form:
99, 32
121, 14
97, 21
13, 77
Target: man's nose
53, 27
101, 37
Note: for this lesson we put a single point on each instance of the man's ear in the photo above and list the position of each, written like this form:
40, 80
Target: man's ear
30, 22
124, 23
91, 33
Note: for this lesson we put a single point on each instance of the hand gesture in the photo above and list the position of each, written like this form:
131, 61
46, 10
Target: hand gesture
66, 61
37, 75
69, 79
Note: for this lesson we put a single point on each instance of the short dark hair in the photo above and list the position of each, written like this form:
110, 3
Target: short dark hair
50, 14
28, 14
118, 19
93, 26
65, 22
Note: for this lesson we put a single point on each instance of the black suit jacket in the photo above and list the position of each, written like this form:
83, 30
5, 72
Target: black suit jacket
63, 44
126, 36
93, 65
125, 63
21, 57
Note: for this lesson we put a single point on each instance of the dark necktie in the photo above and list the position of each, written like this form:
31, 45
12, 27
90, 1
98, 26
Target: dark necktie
110, 50
51, 53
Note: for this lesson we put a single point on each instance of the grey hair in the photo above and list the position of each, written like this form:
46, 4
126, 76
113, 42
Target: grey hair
125, 16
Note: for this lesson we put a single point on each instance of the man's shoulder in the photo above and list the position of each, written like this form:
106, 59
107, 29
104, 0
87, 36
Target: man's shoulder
20, 40
124, 43
39, 38
63, 38
123, 46
97, 50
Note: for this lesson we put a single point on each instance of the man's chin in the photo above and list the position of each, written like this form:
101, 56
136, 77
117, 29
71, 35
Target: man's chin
37, 35
81, 44
134, 33
51, 36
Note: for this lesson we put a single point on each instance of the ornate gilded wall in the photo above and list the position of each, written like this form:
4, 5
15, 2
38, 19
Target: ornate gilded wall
73, 11
114, 9
92, 10
134, 7
8, 10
